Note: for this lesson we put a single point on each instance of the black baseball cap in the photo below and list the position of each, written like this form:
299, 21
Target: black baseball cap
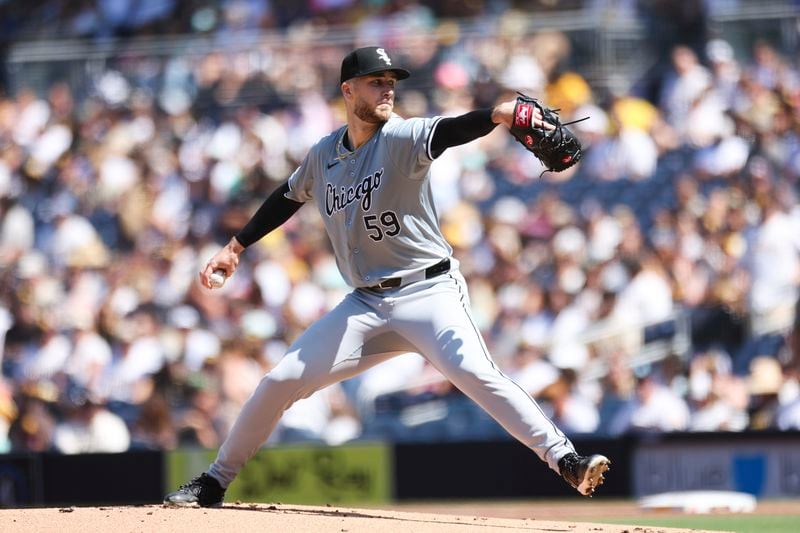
369, 60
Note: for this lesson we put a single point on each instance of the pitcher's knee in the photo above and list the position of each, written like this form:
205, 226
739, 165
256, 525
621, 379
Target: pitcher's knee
285, 389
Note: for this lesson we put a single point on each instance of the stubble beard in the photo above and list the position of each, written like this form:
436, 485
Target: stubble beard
370, 115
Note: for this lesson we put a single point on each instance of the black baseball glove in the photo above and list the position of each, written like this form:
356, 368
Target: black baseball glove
557, 149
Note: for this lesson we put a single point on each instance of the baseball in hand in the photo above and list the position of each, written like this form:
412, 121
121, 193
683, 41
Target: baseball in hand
217, 279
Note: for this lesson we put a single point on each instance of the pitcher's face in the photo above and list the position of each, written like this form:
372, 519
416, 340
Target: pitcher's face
373, 96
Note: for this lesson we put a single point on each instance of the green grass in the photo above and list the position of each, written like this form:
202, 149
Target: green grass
740, 523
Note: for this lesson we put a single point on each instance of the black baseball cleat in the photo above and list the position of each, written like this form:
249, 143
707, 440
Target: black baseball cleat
203, 490
584, 473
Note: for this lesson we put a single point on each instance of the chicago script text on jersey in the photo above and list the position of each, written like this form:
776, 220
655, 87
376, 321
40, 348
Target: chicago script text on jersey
336, 200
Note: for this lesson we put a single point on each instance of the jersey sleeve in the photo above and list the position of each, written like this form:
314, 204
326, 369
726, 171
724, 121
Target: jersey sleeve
411, 143
301, 182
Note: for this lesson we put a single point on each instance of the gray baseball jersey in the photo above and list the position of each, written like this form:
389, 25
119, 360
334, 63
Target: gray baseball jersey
378, 210
376, 201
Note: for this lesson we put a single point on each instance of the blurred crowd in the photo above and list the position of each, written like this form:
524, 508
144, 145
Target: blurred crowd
651, 288
108, 18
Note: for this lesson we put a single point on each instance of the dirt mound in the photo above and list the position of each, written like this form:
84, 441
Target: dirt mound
261, 518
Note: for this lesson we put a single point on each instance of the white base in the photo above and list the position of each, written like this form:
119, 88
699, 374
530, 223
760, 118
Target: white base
700, 501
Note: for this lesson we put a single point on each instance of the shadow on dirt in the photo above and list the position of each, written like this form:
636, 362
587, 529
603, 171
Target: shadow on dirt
338, 513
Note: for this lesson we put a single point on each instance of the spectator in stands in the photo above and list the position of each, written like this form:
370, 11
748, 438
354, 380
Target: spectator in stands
647, 298
47, 360
18, 227
129, 376
718, 398
200, 423
764, 385
569, 409
773, 256
769, 69
683, 87
618, 388
194, 345
655, 407
623, 145
725, 70
88, 426
89, 359
529, 367
153, 428
34, 426
322, 418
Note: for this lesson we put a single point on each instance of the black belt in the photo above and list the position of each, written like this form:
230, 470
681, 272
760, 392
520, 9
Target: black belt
431, 272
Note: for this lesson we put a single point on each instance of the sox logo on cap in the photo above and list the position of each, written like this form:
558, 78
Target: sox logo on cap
383, 55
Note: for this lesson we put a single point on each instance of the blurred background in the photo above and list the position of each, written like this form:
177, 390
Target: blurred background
651, 290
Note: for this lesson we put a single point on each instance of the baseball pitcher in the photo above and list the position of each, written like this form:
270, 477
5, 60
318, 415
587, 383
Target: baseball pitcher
370, 180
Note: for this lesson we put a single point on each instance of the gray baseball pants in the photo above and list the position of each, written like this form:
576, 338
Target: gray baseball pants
430, 317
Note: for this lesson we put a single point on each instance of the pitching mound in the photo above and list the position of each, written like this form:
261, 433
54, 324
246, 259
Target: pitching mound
263, 518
